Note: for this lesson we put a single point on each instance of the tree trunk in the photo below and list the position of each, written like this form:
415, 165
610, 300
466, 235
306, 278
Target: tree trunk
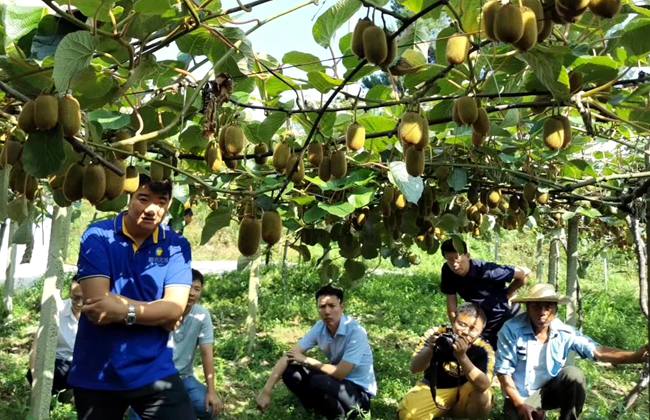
539, 257
554, 258
47, 329
572, 270
642, 261
10, 272
253, 292
4, 193
631, 398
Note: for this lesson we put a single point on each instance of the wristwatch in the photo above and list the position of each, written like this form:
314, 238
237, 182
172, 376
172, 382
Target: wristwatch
130, 315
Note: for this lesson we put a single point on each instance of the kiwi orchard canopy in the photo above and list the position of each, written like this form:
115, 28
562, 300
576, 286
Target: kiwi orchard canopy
515, 114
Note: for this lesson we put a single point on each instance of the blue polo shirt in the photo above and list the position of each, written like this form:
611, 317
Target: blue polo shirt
118, 357
349, 344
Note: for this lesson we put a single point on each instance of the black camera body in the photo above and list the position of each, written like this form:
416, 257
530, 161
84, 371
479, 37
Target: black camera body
443, 346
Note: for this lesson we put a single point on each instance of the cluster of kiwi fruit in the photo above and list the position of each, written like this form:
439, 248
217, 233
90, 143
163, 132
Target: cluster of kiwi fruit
570, 11
373, 43
557, 132
231, 142
46, 111
127, 149
284, 161
253, 230
467, 111
413, 133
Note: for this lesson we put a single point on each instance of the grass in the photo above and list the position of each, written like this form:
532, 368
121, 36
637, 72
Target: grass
395, 307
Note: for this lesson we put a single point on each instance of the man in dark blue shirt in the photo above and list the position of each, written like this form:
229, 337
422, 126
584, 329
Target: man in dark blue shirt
480, 282
135, 275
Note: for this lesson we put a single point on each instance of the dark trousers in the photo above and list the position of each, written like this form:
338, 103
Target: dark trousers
165, 399
324, 394
60, 380
567, 391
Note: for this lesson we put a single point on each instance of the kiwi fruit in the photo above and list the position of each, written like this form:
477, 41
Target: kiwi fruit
355, 136
69, 115
529, 36
567, 131
260, 150
538, 9
457, 49
250, 234
56, 181
46, 112
234, 139
168, 169
132, 180
338, 165
94, 183
114, 182
299, 173
467, 110
414, 161
482, 123
73, 182
281, 156
477, 138
387, 198
375, 47
231, 163
18, 209
493, 198
324, 170
513, 202
59, 198
530, 192
488, 16
546, 30
315, 154
508, 23
140, 147
542, 198
410, 128
442, 173
424, 140
400, 201
392, 50
454, 114
575, 81
357, 37
271, 227
10, 152
156, 171
605, 8
26, 117
553, 133
126, 148
213, 157
569, 14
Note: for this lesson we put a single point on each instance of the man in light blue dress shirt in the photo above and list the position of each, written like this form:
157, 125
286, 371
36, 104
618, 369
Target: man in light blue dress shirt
532, 355
345, 384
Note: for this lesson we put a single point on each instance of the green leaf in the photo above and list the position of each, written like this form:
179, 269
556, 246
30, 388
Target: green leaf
376, 123
546, 65
448, 222
271, 125
151, 7
322, 82
333, 18
191, 139
469, 12
339, 210
600, 69
458, 179
18, 21
354, 270
43, 153
313, 214
97, 9
109, 120
636, 37
72, 55
303, 61
216, 220
362, 198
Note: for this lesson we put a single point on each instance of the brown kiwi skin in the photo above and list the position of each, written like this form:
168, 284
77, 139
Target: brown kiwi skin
338, 165
94, 183
457, 49
114, 182
529, 38
69, 115
250, 234
132, 180
488, 14
315, 154
374, 45
357, 37
355, 136
260, 150
508, 23
271, 227
324, 169
26, 117
414, 161
281, 156
553, 133
467, 110
46, 112
73, 182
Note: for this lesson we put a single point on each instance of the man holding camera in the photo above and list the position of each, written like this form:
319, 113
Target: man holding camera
532, 357
458, 367
485, 283
341, 387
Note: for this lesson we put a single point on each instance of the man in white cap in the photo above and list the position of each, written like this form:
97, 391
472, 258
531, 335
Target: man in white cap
532, 355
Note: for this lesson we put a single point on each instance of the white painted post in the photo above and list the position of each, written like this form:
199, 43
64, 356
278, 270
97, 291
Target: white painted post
253, 294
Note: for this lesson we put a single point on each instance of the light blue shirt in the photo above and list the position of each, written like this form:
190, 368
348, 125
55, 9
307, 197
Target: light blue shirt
514, 340
349, 344
195, 330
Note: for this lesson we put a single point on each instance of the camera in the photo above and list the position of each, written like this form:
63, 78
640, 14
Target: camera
443, 346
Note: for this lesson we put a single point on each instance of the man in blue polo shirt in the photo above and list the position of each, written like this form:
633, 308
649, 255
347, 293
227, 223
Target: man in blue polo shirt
343, 386
489, 285
135, 276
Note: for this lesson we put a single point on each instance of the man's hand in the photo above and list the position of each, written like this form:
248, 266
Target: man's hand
644, 353
460, 347
525, 412
296, 357
104, 310
213, 404
263, 400
431, 341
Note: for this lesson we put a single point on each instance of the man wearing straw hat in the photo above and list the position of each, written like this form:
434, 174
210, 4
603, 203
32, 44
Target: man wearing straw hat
532, 356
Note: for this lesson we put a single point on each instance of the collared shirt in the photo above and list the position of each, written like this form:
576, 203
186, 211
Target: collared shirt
349, 344
195, 330
486, 285
67, 331
513, 354
118, 357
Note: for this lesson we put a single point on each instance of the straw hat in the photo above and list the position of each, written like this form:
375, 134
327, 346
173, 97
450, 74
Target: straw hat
541, 292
